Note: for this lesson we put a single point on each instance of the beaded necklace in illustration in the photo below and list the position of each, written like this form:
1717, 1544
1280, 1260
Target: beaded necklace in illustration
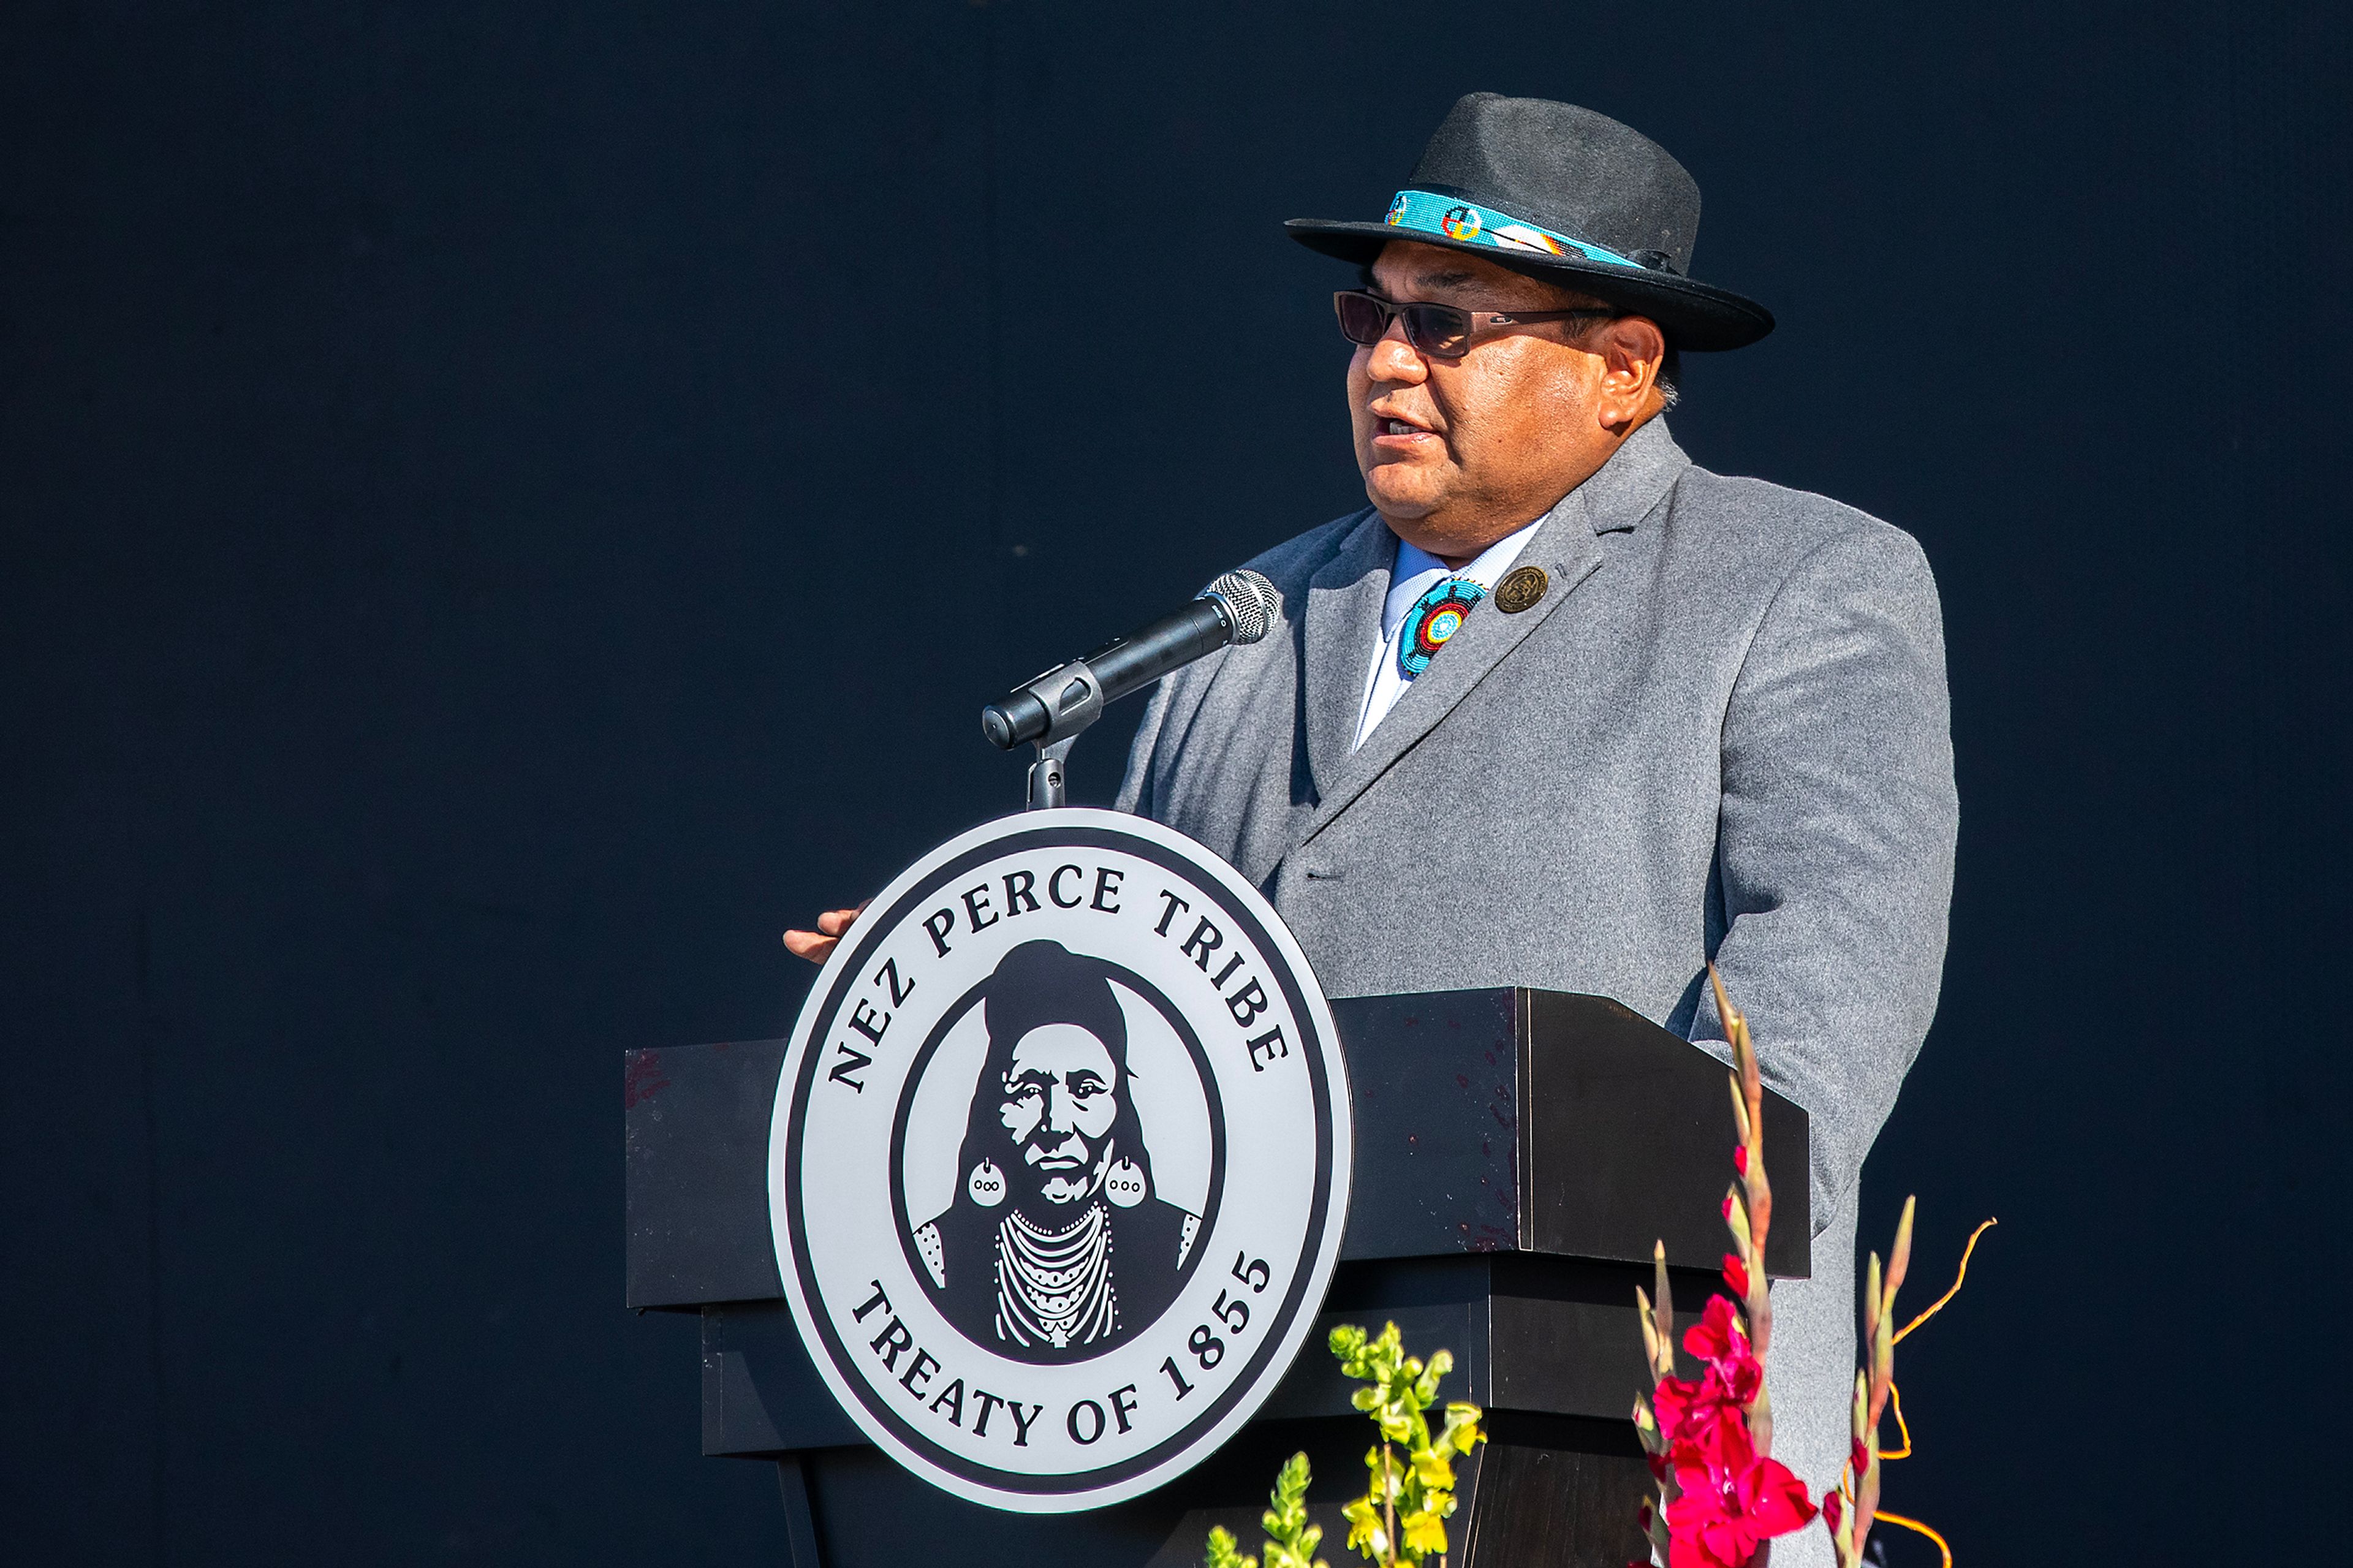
1055, 1286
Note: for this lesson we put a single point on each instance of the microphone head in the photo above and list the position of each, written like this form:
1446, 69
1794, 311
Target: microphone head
1250, 599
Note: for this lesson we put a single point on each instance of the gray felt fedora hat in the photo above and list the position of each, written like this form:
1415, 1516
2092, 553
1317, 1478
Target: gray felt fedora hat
1564, 194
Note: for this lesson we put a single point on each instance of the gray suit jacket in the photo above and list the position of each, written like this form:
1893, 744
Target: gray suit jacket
1723, 733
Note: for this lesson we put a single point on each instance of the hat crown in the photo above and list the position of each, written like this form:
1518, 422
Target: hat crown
1569, 169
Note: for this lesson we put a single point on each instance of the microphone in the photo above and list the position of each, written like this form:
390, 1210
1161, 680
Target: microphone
1235, 608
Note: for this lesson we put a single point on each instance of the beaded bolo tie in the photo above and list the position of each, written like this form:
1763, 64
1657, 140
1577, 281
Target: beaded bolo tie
1434, 620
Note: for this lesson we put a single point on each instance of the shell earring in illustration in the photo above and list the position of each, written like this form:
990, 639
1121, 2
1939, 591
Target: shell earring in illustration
1124, 1185
986, 1185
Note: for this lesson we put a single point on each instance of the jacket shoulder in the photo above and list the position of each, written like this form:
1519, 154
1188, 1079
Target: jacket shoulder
1290, 565
1772, 531
1176, 702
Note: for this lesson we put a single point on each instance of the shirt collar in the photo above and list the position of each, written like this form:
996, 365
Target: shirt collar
1417, 571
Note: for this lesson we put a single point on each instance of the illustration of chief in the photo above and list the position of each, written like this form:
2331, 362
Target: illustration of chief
1056, 1246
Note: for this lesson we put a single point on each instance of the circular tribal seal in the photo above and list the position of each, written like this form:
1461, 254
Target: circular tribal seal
1060, 1160
1521, 586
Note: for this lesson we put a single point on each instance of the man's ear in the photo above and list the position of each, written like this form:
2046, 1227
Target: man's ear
1631, 349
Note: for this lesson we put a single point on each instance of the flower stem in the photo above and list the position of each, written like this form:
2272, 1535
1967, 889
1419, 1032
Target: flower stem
1389, 1504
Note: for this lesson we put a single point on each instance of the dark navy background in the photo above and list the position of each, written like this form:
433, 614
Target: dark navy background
507, 507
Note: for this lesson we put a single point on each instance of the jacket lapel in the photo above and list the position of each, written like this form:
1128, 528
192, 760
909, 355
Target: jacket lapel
1340, 626
1632, 483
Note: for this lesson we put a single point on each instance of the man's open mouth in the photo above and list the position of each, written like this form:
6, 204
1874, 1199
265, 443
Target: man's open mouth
1390, 425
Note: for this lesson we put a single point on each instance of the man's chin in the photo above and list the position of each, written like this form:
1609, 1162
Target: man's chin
1401, 491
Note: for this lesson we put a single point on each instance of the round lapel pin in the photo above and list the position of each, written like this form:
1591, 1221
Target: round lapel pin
1521, 586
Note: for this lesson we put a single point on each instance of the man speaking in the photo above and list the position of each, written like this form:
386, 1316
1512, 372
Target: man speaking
1561, 709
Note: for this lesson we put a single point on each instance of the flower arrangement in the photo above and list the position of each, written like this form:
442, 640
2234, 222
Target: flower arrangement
1401, 1518
1290, 1540
1848, 1510
1852, 1508
1722, 1497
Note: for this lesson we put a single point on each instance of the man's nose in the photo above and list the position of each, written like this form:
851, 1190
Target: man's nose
1395, 358
1061, 1111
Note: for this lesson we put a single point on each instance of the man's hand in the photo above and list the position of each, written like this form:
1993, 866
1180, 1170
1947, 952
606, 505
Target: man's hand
816, 945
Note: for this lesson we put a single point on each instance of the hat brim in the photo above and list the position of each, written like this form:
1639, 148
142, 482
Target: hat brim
1695, 316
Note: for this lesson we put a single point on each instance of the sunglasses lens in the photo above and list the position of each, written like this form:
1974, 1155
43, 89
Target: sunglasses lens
1362, 319
1438, 329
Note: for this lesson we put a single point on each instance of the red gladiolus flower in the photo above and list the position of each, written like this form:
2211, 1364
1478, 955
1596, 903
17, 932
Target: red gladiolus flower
1676, 1398
1718, 1338
1713, 1444
1859, 1458
1833, 1510
1736, 1274
1740, 1158
1681, 1402
1684, 1403
1721, 1525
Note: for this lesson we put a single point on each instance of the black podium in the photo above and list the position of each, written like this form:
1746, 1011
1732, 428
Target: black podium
1517, 1152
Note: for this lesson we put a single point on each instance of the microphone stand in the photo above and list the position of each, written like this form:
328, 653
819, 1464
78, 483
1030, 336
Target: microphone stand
1048, 783
1073, 694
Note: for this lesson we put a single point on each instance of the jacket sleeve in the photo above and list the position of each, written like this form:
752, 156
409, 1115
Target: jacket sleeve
1834, 848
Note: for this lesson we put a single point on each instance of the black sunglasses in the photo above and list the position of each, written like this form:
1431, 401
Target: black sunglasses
1442, 332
